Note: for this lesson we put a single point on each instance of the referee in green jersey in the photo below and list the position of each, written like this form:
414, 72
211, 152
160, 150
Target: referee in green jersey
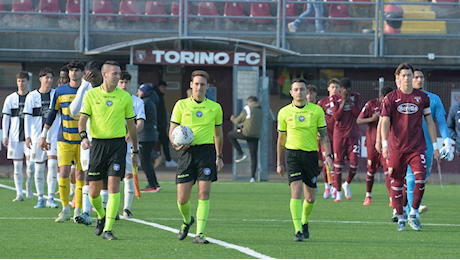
298, 127
200, 161
108, 107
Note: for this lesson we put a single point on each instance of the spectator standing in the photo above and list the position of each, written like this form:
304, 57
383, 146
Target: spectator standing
162, 126
149, 135
312, 6
251, 117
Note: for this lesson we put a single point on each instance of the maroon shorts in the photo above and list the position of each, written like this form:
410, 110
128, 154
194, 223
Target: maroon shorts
348, 147
398, 162
374, 159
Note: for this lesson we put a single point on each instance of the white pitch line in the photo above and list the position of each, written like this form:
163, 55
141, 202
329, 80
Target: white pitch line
244, 250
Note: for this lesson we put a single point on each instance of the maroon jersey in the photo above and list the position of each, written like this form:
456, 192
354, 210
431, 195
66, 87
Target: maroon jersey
406, 112
345, 118
372, 106
326, 105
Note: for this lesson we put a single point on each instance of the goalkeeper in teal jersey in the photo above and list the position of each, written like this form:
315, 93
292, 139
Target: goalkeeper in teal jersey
438, 112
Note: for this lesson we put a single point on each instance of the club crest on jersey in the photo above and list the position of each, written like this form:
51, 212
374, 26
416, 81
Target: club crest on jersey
417, 99
352, 98
109, 103
329, 111
207, 171
116, 167
199, 114
301, 118
407, 108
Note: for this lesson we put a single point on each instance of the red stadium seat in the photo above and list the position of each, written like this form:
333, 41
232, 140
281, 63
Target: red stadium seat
260, 10
73, 7
234, 9
339, 11
175, 11
49, 6
155, 8
207, 9
129, 7
103, 7
291, 11
22, 6
389, 29
2, 7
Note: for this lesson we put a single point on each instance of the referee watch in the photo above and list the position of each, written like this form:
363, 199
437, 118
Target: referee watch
330, 155
83, 135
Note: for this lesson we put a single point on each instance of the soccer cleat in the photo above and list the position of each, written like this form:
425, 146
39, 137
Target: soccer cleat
149, 189
127, 214
327, 193
171, 164
394, 218
200, 239
108, 235
184, 229
117, 217
401, 226
40, 204
367, 201
413, 222
422, 209
100, 223
157, 189
333, 193
292, 27
346, 190
83, 219
50, 203
298, 237
62, 217
252, 180
240, 157
305, 232
338, 197
18, 198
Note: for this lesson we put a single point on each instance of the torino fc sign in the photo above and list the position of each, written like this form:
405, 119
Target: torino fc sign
204, 58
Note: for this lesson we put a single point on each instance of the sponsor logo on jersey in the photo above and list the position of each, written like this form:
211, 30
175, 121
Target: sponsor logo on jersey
116, 167
207, 171
199, 114
397, 100
301, 118
109, 103
407, 108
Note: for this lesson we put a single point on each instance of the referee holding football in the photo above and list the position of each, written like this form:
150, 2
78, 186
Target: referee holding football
200, 161
108, 107
301, 121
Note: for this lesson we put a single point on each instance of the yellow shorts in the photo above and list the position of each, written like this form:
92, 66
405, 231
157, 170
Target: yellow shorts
68, 154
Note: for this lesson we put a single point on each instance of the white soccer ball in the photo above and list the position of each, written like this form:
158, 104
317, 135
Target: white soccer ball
182, 135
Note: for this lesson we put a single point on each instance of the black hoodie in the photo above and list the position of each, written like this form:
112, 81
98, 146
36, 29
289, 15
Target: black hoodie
150, 132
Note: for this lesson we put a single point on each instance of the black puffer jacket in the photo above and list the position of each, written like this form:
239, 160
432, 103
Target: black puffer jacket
150, 131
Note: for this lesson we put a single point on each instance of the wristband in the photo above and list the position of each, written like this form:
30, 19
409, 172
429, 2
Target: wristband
45, 132
83, 135
384, 143
435, 146
135, 152
279, 164
219, 156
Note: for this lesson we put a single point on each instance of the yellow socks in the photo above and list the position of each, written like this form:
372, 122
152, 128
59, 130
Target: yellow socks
202, 213
296, 213
186, 211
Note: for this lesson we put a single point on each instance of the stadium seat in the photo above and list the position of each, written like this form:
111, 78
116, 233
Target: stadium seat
291, 11
155, 8
49, 6
260, 10
2, 7
339, 11
175, 11
129, 7
103, 7
234, 9
73, 7
389, 29
22, 6
207, 9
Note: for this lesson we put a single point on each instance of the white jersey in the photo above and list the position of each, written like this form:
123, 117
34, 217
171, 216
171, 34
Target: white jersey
13, 109
139, 111
36, 110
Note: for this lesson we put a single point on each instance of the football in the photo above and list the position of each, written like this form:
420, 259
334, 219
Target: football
182, 135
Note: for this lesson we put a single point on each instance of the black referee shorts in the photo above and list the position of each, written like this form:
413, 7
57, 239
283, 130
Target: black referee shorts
197, 163
107, 158
302, 165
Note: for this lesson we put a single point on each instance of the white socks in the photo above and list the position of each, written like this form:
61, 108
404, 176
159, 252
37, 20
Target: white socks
52, 177
18, 177
129, 193
30, 176
40, 179
105, 198
85, 199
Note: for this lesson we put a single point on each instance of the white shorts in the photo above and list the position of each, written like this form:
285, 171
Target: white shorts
84, 158
17, 150
129, 164
38, 155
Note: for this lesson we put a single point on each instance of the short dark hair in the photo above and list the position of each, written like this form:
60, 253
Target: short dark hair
417, 69
112, 63
64, 68
201, 73
93, 65
76, 64
333, 80
300, 80
385, 90
252, 98
162, 83
345, 83
23, 75
312, 88
45, 71
125, 75
404, 66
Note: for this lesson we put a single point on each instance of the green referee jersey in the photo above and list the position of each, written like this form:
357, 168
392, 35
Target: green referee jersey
202, 118
301, 126
108, 112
